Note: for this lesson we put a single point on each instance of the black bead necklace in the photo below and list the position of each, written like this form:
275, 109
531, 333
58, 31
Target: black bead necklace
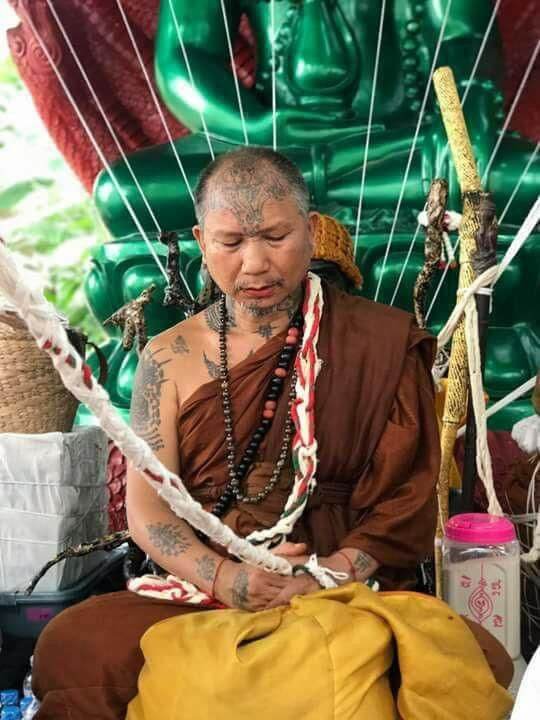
238, 472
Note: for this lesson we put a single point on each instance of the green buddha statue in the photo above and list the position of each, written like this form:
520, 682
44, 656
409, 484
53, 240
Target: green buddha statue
324, 64
324, 53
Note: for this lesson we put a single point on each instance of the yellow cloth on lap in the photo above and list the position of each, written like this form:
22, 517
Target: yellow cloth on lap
323, 657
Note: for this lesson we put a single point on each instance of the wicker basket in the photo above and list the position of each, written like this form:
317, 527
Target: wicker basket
33, 398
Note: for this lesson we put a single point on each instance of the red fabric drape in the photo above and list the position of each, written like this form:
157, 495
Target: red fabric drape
98, 34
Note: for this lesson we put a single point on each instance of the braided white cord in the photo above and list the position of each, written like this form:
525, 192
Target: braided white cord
43, 324
467, 305
323, 575
534, 553
483, 458
308, 366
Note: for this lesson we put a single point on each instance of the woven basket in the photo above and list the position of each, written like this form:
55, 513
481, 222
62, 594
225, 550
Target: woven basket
33, 398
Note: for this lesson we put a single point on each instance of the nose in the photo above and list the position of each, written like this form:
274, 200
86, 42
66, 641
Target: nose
254, 258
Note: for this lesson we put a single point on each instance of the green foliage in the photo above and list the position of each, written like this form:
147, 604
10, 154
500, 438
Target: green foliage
46, 218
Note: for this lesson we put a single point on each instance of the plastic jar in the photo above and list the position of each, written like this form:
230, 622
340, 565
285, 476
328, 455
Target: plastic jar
481, 574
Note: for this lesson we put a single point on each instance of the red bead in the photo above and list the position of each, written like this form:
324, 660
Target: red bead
270, 405
280, 372
291, 340
293, 331
269, 414
47, 345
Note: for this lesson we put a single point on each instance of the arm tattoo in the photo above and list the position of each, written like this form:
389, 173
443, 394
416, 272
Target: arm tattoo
363, 565
206, 567
179, 345
168, 538
240, 592
211, 366
146, 397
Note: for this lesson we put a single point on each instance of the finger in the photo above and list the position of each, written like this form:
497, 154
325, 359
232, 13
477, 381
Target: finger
288, 549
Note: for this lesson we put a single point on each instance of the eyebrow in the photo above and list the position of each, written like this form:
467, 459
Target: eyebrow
281, 225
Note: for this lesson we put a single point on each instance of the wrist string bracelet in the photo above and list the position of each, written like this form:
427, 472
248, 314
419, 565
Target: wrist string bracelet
212, 592
323, 575
349, 562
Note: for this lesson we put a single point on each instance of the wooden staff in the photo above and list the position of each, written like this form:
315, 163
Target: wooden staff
455, 405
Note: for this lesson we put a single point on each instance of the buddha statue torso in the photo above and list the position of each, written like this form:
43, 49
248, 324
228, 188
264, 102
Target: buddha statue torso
324, 55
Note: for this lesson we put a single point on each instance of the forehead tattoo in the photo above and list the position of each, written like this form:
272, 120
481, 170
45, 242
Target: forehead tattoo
243, 186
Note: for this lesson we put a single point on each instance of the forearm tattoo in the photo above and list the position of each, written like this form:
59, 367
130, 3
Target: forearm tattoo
363, 565
206, 567
145, 414
240, 590
168, 538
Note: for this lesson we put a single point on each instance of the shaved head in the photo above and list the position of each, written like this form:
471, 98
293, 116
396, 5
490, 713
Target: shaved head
242, 181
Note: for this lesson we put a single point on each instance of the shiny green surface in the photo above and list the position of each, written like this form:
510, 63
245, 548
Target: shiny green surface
123, 267
325, 53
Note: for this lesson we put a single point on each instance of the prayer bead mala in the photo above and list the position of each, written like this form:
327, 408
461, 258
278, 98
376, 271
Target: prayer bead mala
237, 473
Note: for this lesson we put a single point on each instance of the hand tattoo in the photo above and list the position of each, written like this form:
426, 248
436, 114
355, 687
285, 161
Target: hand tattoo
169, 539
240, 590
206, 567
145, 411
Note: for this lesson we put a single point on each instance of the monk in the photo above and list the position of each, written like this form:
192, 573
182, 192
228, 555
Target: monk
207, 402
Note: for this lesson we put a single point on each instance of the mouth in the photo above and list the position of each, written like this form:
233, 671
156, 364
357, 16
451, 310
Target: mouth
263, 291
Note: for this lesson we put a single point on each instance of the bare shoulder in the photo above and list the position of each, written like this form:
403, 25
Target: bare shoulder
181, 339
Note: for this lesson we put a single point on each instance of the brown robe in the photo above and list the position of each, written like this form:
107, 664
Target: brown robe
375, 426
379, 456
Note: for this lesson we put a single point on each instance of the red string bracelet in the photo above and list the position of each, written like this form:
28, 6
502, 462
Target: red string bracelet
215, 577
347, 558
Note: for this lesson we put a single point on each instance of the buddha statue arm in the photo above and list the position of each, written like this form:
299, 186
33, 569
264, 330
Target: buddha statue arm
202, 30
213, 92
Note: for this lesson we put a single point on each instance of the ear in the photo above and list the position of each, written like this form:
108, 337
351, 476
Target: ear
313, 223
198, 234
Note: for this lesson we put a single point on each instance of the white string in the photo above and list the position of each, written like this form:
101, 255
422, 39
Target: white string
518, 184
529, 224
413, 146
480, 52
191, 80
524, 388
486, 281
235, 74
511, 111
154, 96
163, 120
94, 142
370, 121
444, 154
533, 554
476, 389
103, 113
274, 97
42, 322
